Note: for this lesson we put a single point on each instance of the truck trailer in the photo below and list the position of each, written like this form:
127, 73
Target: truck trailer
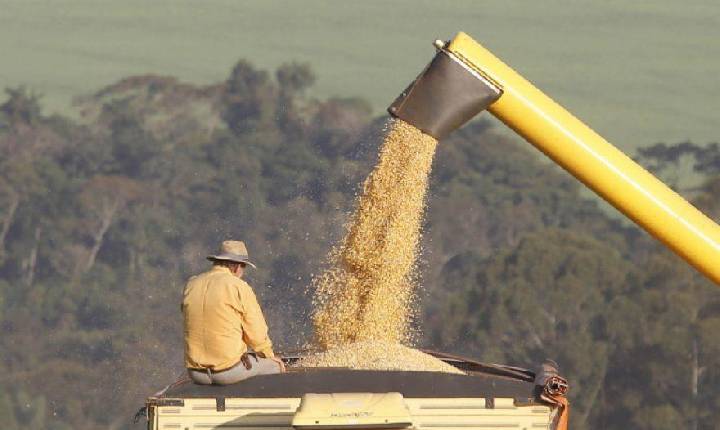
487, 396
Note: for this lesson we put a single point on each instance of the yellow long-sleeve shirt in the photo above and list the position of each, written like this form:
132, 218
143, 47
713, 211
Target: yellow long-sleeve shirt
222, 318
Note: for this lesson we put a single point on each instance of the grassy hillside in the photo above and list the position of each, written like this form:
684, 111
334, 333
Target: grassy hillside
638, 72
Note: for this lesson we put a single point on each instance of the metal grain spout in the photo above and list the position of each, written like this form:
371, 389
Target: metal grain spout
447, 94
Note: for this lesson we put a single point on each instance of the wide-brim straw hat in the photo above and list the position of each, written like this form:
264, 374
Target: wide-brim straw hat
233, 250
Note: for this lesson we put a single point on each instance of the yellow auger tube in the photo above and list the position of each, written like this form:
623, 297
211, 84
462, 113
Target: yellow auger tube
595, 162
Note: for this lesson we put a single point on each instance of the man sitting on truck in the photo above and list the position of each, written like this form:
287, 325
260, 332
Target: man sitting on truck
222, 319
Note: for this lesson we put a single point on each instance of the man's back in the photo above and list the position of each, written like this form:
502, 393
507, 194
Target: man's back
222, 317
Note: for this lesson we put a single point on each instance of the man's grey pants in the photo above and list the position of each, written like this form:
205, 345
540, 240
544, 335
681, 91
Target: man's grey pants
260, 366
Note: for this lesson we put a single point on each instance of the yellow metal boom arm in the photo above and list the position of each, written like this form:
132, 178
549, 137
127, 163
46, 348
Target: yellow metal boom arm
590, 158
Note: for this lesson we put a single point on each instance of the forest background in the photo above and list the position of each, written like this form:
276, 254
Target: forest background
107, 207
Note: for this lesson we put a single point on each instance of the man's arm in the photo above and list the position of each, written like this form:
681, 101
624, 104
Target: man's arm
255, 330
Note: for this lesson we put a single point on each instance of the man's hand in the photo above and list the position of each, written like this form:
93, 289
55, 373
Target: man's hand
280, 362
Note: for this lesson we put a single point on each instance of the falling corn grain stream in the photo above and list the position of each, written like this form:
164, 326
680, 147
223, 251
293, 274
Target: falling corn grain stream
365, 301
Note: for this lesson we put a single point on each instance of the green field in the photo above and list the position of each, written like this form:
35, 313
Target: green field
638, 72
